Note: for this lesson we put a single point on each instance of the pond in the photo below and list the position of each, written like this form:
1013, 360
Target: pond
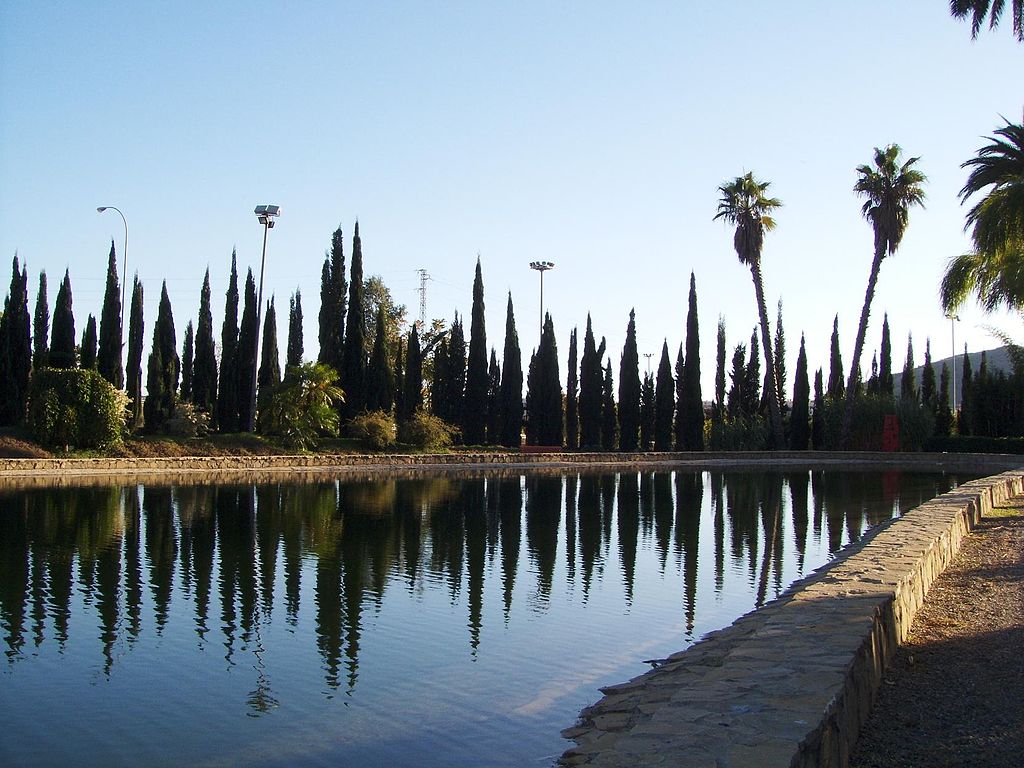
430, 620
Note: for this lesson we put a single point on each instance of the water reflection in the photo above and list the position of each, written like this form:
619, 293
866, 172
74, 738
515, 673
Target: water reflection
220, 560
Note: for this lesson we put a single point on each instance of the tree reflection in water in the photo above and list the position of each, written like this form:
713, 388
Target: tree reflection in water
227, 557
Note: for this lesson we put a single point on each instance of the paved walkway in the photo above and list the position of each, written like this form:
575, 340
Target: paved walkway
954, 695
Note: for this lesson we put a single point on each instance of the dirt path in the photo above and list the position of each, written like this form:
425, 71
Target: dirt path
955, 693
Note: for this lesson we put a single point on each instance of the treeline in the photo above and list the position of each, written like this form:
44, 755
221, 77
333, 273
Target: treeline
432, 386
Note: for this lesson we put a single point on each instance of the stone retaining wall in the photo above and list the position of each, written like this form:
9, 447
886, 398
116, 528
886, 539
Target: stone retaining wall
463, 460
792, 683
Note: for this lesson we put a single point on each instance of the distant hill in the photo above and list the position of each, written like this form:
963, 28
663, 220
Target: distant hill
997, 359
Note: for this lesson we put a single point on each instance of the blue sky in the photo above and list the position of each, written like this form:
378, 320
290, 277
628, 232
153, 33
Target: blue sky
594, 135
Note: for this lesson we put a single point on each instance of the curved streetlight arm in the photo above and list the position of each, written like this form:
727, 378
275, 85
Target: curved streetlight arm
124, 276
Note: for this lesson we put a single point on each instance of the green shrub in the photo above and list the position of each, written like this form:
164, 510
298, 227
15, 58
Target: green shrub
738, 435
426, 431
376, 429
187, 421
303, 407
75, 408
916, 423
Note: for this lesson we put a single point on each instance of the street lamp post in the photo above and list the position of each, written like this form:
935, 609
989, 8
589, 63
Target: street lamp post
542, 267
124, 275
266, 214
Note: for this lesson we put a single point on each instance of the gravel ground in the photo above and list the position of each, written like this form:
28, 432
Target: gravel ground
954, 695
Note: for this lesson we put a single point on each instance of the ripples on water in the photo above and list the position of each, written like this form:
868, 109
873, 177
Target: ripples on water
391, 622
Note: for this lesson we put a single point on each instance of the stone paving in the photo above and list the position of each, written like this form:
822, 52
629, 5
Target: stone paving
791, 683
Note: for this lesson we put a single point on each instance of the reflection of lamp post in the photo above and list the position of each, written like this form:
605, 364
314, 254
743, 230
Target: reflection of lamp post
542, 267
266, 214
953, 320
124, 275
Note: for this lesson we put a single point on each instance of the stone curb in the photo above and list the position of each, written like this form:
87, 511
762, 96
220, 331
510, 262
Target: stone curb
792, 683
464, 460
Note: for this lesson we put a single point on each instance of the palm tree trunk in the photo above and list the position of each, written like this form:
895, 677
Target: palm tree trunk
774, 411
858, 347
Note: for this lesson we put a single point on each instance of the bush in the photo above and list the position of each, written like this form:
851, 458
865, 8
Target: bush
426, 431
869, 411
75, 408
376, 429
187, 421
738, 435
303, 406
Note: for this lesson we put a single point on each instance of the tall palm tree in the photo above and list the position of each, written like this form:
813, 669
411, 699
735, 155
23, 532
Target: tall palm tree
978, 9
744, 202
994, 272
891, 188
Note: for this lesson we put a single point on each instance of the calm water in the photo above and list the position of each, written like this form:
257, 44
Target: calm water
394, 622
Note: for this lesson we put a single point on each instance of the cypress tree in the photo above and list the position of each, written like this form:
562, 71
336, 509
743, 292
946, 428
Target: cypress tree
62, 340
227, 398
511, 397
15, 349
885, 380
943, 413
818, 416
752, 379
963, 415
572, 400
204, 364
475, 416
908, 386
544, 391
163, 369
412, 399
647, 416
591, 398
293, 355
494, 400
246, 357
87, 349
629, 390
333, 290
928, 378
400, 411
692, 410
133, 371
608, 417
41, 327
664, 402
439, 404
836, 386
380, 382
799, 424
873, 386
455, 368
111, 339
187, 363
354, 362
779, 358
269, 375
720, 369
679, 422
736, 401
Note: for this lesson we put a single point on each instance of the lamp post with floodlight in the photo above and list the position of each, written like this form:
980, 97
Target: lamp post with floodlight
266, 215
542, 267
124, 275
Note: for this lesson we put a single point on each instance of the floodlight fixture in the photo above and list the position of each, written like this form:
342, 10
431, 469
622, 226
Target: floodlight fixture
267, 213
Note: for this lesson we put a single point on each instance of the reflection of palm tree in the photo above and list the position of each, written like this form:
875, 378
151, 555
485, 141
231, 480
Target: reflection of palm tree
745, 203
890, 189
994, 272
